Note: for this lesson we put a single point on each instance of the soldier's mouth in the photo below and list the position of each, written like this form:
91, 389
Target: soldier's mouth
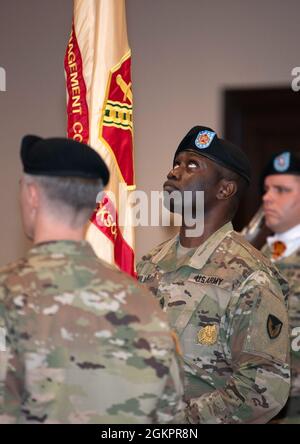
270, 212
169, 187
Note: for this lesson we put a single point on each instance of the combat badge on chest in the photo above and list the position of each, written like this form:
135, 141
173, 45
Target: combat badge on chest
208, 335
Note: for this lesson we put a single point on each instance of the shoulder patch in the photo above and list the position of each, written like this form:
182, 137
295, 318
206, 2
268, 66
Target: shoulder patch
274, 326
268, 332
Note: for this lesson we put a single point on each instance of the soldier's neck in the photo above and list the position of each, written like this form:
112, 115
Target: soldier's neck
210, 227
48, 232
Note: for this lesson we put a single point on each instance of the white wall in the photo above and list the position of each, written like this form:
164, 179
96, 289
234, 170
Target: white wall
184, 53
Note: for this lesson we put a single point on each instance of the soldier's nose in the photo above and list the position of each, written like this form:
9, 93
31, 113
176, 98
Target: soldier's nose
266, 197
174, 173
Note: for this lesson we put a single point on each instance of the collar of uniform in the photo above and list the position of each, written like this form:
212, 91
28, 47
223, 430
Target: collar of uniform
290, 235
62, 247
202, 253
169, 246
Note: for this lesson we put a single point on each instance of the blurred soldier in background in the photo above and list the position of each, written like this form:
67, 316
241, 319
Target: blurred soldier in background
281, 205
84, 342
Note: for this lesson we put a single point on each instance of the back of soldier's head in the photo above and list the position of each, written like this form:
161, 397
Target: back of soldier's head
68, 174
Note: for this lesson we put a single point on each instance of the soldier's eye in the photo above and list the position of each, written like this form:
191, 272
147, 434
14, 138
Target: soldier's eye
193, 164
283, 190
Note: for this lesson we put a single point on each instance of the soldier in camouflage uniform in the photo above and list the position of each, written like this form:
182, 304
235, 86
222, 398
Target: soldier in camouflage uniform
282, 215
224, 299
81, 347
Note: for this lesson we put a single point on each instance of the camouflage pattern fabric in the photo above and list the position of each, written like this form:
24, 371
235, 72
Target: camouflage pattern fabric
290, 268
227, 304
85, 343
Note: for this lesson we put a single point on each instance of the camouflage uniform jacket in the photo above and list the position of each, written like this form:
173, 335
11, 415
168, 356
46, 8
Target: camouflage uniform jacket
226, 302
290, 268
85, 343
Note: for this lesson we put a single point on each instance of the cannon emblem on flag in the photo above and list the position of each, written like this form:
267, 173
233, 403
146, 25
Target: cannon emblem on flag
116, 120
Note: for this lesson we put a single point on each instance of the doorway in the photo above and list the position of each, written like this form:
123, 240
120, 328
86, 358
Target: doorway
262, 122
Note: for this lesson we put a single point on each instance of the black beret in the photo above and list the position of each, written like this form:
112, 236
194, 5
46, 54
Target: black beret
61, 157
284, 162
205, 142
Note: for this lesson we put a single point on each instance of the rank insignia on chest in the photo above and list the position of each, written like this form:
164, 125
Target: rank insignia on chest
208, 335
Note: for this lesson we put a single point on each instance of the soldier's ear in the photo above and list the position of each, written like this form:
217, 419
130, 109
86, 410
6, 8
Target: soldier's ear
227, 189
33, 195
